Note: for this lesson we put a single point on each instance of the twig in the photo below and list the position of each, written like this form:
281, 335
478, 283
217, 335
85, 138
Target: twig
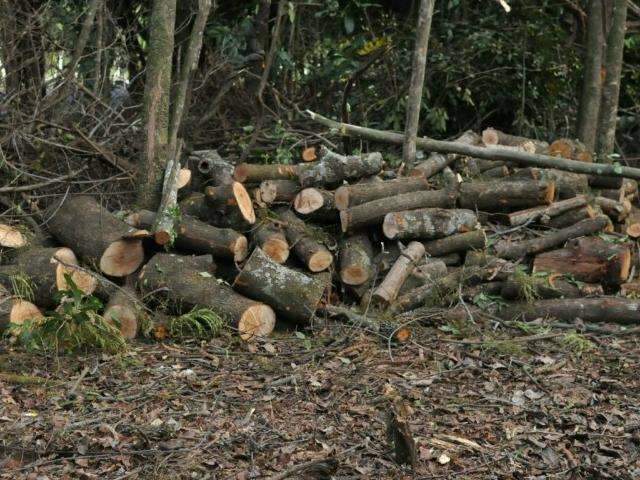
35, 186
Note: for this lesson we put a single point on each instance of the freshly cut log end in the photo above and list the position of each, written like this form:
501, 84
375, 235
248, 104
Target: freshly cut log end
277, 249
320, 261
633, 230
240, 247
278, 191
23, 311
244, 202
490, 137
10, 237
122, 258
257, 321
341, 198
184, 178
308, 201
309, 154
66, 261
356, 263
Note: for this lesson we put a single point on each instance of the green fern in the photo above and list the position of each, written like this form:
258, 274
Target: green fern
198, 323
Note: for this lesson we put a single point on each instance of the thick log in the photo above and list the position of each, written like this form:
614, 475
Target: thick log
316, 204
256, 173
356, 260
460, 242
491, 137
372, 213
278, 191
186, 283
97, 236
388, 290
570, 149
548, 287
551, 240
588, 259
199, 237
294, 295
428, 223
618, 211
567, 184
498, 195
272, 241
37, 274
310, 251
14, 311
545, 213
231, 197
213, 167
590, 310
437, 162
123, 312
11, 237
488, 153
572, 217
349, 196
333, 168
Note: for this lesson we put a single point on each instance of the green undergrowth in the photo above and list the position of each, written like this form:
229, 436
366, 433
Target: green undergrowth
200, 323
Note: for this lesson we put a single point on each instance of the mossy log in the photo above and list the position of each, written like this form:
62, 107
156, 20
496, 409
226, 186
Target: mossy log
309, 250
332, 168
348, 196
356, 260
272, 240
186, 282
497, 196
294, 295
428, 223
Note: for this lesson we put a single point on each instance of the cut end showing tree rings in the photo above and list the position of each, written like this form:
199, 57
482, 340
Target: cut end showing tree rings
240, 248
243, 199
268, 191
341, 198
184, 177
633, 230
391, 226
67, 264
23, 311
354, 275
125, 317
309, 154
122, 258
490, 137
11, 237
258, 320
320, 261
308, 201
277, 249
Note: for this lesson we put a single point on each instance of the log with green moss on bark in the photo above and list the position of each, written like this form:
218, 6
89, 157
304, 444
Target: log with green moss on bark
315, 256
333, 168
428, 223
348, 196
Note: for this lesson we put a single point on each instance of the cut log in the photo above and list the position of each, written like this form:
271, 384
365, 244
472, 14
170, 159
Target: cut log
11, 237
333, 168
37, 274
589, 310
256, 173
14, 311
631, 289
372, 213
545, 213
588, 259
497, 196
572, 217
349, 196
491, 137
388, 290
551, 240
199, 237
495, 268
195, 205
428, 223
497, 172
272, 241
450, 260
418, 296
294, 295
567, 184
311, 252
96, 235
278, 191
309, 154
428, 272
632, 223
461, 242
384, 328
450, 179
436, 162
316, 205
184, 178
123, 312
230, 197
549, 287
187, 283
618, 211
356, 260
570, 149
213, 167
603, 181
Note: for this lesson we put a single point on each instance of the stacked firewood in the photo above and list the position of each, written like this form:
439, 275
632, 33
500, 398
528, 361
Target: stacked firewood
345, 236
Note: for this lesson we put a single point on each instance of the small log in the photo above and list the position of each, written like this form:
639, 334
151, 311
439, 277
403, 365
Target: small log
309, 154
184, 178
418, 296
572, 217
385, 329
588, 259
14, 311
491, 137
333, 168
97, 236
123, 312
213, 167
294, 295
356, 260
618, 211
187, 283
428, 272
349, 196
460, 242
37, 274
372, 213
316, 204
496, 196
199, 237
570, 149
278, 191
272, 241
632, 223
590, 310
256, 173
545, 213
437, 162
232, 197
11, 237
428, 223
513, 251
388, 290
631, 289
494, 267
549, 287
312, 253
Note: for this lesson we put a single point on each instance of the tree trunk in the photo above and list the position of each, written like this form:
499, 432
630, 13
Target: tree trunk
156, 103
428, 223
185, 282
498, 195
611, 86
272, 241
310, 251
349, 196
388, 290
294, 295
333, 168
97, 236
460, 242
414, 100
372, 213
356, 260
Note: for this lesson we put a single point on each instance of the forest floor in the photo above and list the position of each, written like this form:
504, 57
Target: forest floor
496, 405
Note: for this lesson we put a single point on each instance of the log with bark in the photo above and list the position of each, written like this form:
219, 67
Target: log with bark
256, 173
15, 311
388, 290
632, 223
123, 311
309, 250
570, 149
572, 217
498, 196
567, 184
552, 286
11, 237
332, 168
618, 211
428, 223
163, 227
348, 196
545, 213
278, 191
272, 240
187, 282
231, 197
437, 162
356, 260
293, 295
316, 204
216, 170
97, 236
428, 272
491, 137
588, 259
460, 242
372, 213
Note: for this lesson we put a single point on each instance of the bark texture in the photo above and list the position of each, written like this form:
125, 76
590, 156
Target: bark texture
428, 223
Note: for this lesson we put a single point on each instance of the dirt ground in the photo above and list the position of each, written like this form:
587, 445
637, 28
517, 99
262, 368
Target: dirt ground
486, 403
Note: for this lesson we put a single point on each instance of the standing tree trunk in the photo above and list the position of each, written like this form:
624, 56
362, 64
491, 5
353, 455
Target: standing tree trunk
417, 81
156, 103
592, 82
611, 86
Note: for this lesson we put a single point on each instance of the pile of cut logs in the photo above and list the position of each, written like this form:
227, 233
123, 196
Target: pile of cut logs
345, 236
